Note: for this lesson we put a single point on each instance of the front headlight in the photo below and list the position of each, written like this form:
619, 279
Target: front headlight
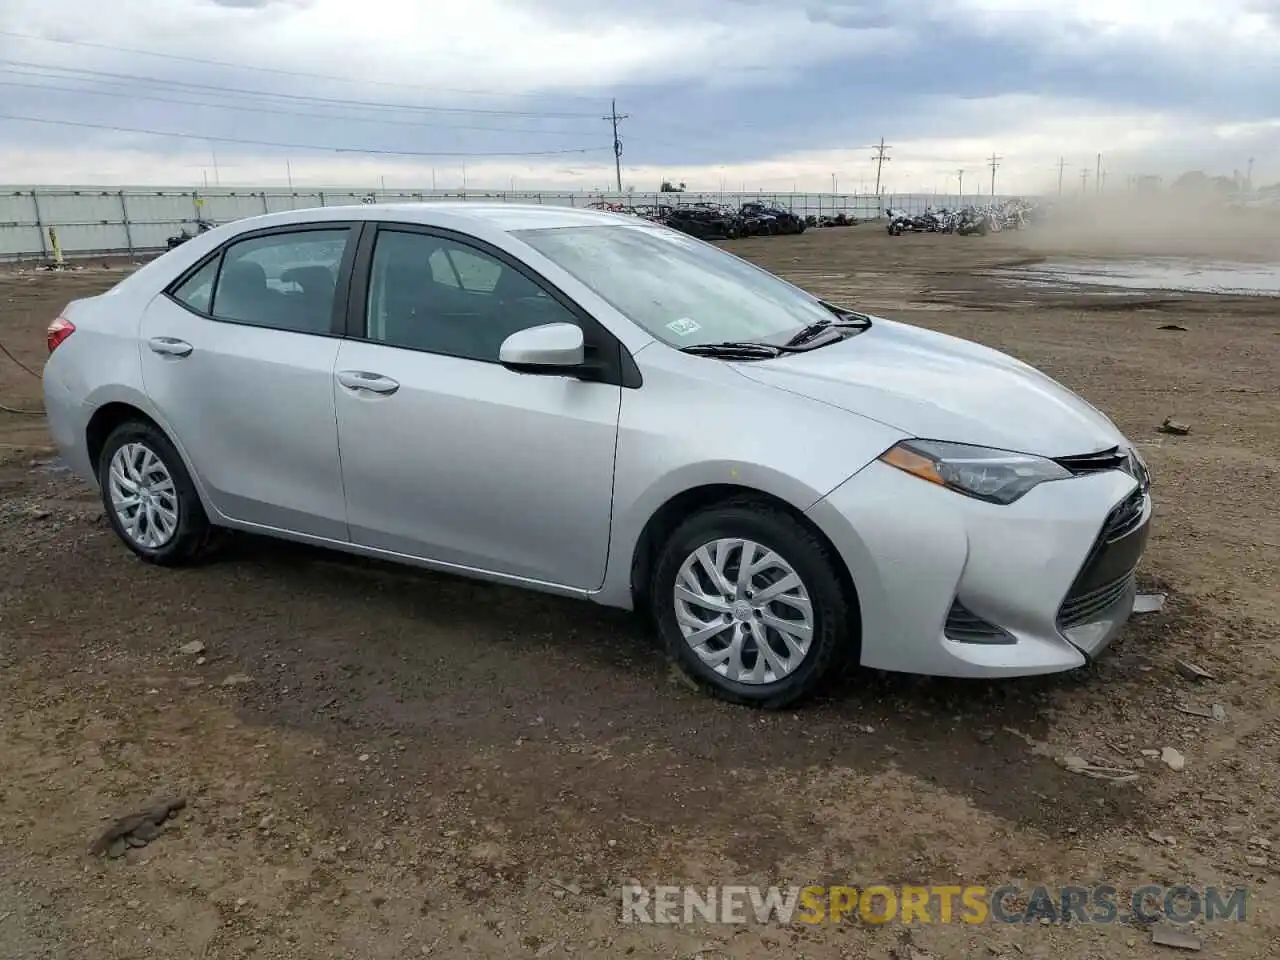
997, 476
1138, 467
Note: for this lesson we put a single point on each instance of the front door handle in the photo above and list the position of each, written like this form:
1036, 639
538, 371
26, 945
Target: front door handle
362, 380
169, 346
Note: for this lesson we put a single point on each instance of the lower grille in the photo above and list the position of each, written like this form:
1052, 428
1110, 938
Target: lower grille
1084, 607
965, 626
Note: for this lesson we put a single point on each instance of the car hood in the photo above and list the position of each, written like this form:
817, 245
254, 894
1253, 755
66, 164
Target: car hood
938, 387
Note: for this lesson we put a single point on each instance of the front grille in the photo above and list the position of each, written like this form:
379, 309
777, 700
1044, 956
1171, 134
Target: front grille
1125, 516
965, 626
1113, 458
1084, 607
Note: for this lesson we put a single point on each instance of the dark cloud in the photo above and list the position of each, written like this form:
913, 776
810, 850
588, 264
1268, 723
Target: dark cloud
857, 16
902, 61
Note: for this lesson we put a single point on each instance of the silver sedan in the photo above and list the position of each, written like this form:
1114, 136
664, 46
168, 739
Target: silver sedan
592, 405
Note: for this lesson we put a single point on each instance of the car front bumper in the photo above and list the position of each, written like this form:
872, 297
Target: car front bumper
953, 586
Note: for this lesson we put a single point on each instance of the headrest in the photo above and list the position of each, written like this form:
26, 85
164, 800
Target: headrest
244, 274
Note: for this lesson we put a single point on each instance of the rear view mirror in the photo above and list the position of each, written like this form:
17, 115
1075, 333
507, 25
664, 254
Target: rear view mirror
553, 348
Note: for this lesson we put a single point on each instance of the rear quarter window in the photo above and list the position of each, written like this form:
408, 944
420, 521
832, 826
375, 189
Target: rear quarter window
197, 290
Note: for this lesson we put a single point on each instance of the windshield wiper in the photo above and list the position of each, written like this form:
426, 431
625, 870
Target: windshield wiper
845, 320
740, 349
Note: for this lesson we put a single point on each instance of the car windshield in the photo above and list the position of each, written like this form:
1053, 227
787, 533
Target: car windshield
680, 290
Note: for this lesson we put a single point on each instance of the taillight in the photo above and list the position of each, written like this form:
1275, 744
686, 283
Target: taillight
59, 330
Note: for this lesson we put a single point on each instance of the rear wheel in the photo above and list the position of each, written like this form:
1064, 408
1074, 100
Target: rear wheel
749, 605
149, 498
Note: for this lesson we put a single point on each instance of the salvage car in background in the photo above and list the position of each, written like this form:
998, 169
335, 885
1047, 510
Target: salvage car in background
592, 405
706, 221
772, 220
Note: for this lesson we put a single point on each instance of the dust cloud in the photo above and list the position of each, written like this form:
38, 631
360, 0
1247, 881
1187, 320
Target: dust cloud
1154, 225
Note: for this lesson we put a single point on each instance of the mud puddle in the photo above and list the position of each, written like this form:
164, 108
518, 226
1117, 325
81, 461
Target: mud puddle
1149, 274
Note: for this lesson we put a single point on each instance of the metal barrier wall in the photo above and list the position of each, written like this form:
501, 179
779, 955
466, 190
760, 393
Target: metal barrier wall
92, 221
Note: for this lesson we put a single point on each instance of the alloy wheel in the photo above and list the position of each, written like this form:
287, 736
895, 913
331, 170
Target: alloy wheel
143, 496
744, 611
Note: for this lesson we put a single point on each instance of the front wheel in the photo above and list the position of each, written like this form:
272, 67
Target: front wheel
149, 498
749, 605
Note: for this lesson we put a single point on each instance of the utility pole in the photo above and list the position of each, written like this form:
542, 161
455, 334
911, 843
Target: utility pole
288, 172
1062, 165
1097, 177
1248, 177
880, 157
614, 117
1084, 180
994, 163
960, 174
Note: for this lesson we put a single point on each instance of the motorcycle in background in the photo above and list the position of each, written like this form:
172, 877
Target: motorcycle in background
178, 239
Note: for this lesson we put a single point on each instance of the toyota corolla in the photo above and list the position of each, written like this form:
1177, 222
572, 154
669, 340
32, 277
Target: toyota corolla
593, 405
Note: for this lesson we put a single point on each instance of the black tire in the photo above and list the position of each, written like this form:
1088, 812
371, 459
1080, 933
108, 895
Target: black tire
193, 534
834, 618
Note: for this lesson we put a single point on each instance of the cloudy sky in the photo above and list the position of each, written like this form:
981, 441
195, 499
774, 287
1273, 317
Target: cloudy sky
720, 94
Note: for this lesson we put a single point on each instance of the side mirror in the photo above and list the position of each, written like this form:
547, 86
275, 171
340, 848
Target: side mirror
553, 348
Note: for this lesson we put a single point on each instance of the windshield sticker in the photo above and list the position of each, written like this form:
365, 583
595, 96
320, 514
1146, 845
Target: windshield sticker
683, 327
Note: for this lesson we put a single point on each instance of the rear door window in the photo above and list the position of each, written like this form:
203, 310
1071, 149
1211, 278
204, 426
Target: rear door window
287, 281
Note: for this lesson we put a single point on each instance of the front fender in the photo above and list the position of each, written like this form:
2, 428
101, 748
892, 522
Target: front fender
698, 424
629, 521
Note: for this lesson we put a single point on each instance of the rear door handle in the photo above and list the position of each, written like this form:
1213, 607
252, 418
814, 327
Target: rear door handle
372, 382
169, 346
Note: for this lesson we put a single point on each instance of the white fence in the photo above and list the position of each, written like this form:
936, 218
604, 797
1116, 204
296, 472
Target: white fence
92, 221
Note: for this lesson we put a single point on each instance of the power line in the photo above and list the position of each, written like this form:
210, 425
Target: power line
617, 144
44, 71
299, 146
25, 413
125, 89
880, 157
259, 108
277, 71
5, 350
154, 81
221, 98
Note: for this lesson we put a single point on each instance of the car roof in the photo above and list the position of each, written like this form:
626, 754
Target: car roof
480, 215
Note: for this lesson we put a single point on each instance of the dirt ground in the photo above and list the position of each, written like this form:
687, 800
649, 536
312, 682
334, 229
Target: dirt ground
382, 763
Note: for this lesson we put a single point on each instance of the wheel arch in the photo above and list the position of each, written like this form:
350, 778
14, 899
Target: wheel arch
677, 508
105, 419
112, 414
